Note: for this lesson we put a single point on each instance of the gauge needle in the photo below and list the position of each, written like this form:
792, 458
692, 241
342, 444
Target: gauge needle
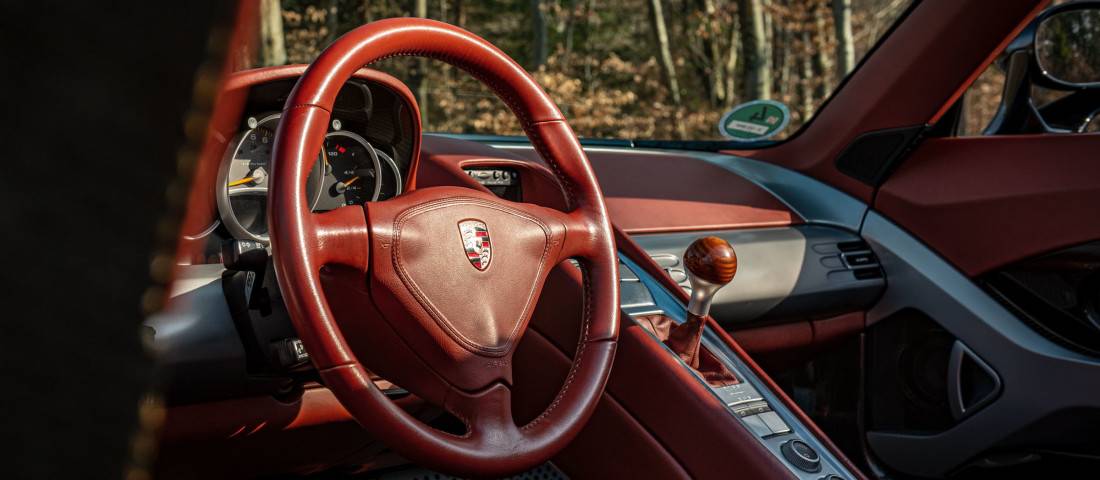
241, 181
342, 186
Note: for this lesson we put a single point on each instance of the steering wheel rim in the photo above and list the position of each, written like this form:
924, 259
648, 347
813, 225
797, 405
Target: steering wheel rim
402, 245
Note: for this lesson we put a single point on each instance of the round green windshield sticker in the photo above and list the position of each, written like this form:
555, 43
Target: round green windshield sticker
756, 120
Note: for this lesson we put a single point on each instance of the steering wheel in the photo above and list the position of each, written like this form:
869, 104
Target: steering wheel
452, 274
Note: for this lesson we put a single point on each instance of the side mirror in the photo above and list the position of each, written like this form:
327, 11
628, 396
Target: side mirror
1067, 46
1058, 52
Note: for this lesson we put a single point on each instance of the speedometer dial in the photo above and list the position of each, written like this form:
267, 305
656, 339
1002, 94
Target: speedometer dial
354, 168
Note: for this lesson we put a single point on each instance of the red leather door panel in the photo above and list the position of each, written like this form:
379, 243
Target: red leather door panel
985, 202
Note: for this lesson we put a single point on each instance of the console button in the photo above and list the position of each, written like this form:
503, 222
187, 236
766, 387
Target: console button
757, 426
859, 259
738, 394
867, 273
744, 410
801, 455
852, 246
776, 424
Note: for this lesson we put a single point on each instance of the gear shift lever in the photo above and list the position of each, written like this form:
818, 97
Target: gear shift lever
711, 264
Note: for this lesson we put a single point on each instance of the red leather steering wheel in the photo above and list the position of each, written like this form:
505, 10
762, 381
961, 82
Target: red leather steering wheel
444, 316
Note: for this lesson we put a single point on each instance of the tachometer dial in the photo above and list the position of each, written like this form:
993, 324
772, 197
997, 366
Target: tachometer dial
244, 176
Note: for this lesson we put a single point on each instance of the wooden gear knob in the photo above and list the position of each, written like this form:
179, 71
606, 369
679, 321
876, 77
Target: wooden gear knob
711, 263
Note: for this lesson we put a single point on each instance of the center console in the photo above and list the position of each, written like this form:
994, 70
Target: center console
710, 264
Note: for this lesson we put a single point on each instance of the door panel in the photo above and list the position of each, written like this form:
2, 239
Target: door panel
1036, 379
954, 373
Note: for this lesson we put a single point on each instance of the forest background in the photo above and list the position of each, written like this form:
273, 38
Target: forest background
631, 69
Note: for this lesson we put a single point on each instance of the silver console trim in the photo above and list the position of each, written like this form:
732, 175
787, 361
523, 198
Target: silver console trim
676, 310
781, 271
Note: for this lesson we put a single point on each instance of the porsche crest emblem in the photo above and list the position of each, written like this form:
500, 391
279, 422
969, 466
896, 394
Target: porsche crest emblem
475, 240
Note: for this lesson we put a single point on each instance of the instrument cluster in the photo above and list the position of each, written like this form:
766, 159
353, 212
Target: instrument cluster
366, 156
349, 170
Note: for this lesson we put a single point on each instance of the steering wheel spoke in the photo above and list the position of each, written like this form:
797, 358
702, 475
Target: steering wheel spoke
574, 232
342, 237
580, 236
487, 414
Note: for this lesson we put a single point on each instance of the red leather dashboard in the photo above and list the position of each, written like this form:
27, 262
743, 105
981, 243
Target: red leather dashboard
648, 193
645, 192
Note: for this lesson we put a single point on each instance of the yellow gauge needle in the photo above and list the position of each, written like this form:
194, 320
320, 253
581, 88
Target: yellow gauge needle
241, 181
353, 180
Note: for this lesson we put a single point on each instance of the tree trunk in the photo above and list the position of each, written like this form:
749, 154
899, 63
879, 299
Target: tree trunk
460, 13
447, 81
769, 41
538, 30
332, 24
714, 49
272, 39
845, 50
731, 62
570, 27
420, 75
822, 63
660, 31
754, 50
807, 81
420, 8
589, 7
783, 60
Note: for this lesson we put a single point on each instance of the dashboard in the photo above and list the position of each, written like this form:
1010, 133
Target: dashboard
790, 274
367, 156
226, 342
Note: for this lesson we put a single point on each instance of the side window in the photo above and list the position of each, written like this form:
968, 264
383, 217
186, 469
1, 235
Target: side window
981, 101
1046, 81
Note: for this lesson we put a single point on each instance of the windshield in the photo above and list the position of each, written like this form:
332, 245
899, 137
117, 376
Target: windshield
619, 69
